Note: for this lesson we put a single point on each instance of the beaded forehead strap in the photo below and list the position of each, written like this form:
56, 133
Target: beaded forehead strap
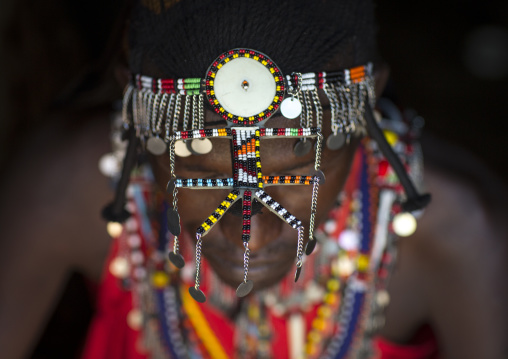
245, 88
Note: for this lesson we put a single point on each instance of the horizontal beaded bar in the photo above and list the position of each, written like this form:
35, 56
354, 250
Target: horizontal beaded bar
305, 180
311, 80
204, 182
289, 132
203, 133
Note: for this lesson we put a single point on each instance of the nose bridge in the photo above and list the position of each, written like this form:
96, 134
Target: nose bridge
265, 227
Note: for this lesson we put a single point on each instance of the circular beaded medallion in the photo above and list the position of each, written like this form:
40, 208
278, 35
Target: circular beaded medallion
244, 86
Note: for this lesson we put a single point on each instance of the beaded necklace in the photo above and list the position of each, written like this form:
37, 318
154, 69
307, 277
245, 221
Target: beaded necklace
338, 327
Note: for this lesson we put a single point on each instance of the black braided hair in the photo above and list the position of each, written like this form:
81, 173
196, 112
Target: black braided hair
182, 38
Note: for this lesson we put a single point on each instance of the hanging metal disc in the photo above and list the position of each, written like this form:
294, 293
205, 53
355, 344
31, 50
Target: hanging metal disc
320, 175
156, 145
173, 221
244, 288
197, 294
302, 147
176, 259
297, 273
201, 146
309, 248
291, 107
181, 149
336, 141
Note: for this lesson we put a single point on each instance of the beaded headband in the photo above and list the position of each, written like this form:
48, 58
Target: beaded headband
245, 88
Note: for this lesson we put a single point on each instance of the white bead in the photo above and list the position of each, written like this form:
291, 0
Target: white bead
404, 224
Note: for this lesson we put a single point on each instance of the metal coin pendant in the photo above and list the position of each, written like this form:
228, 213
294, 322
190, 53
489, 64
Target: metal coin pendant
156, 145
201, 146
244, 288
297, 273
176, 259
302, 147
335, 141
309, 248
197, 294
320, 175
291, 107
181, 149
173, 221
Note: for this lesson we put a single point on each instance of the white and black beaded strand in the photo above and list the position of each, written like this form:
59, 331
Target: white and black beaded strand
195, 292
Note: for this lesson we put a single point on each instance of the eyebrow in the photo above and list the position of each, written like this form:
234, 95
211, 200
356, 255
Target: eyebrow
201, 167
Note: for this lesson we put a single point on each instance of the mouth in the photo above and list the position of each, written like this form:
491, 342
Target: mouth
266, 266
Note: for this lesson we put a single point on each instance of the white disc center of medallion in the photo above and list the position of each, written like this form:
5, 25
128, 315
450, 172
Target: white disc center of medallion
244, 87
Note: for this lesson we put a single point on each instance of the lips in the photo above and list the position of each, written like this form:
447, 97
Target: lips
266, 266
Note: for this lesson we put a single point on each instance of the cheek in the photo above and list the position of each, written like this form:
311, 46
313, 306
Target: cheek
195, 206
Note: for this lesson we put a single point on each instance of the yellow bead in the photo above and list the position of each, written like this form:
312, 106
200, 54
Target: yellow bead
319, 324
363, 263
333, 285
314, 337
391, 137
160, 279
324, 311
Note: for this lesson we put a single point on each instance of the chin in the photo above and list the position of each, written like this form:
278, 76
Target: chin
263, 273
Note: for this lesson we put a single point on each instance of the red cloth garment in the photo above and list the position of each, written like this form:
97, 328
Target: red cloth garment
422, 346
109, 336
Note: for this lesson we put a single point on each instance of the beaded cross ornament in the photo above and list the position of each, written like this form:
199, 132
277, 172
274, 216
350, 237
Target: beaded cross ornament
246, 88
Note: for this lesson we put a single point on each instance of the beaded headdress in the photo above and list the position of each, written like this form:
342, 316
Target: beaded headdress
246, 88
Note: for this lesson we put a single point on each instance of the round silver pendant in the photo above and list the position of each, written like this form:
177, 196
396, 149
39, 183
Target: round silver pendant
181, 149
291, 107
334, 142
244, 288
173, 221
201, 146
302, 147
320, 175
176, 259
197, 294
156, 145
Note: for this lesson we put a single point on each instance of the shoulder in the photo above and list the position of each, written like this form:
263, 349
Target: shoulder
451, 272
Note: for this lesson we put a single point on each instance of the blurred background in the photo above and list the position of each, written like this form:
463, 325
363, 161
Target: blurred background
448, 59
